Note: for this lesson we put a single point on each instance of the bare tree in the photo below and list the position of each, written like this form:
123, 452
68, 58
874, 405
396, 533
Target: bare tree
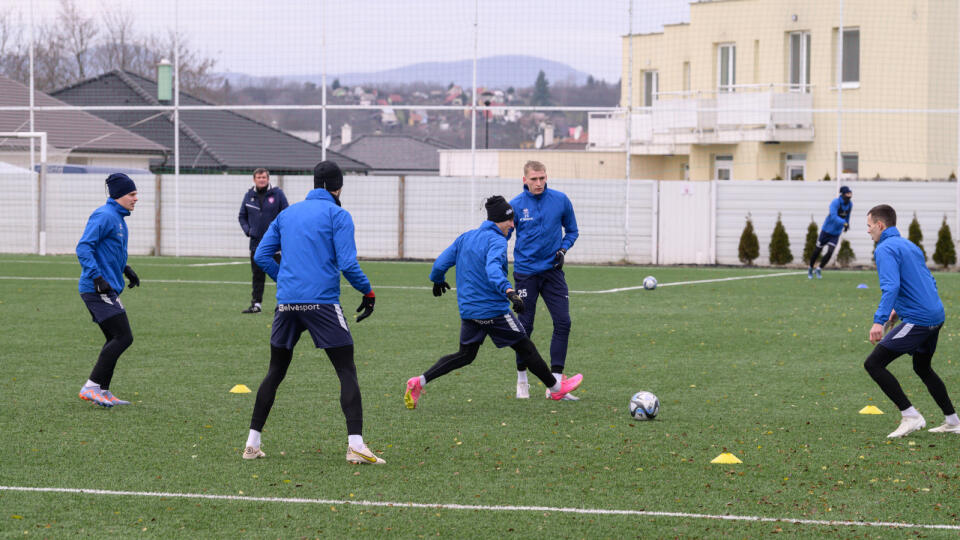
120, 44
78, 34
14, 52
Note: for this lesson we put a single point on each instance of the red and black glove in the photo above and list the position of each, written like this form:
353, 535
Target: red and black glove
366, 306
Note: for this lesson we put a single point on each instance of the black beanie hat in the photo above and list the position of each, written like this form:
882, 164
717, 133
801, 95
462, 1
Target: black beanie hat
119, 184
327, 175
845, 189
498, 209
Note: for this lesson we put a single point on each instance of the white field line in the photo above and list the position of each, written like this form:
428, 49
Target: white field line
606, 291
697, 282
475, 507
231, 263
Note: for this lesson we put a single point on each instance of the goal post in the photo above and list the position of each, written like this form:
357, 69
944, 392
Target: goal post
41, 223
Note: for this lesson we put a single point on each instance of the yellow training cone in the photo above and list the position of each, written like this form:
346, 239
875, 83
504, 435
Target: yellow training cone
870, 409
726, 458
240, 389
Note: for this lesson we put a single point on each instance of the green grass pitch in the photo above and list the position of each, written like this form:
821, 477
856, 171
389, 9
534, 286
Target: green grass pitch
767, 369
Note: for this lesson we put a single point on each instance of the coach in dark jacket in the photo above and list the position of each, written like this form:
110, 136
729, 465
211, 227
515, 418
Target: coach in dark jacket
260, 206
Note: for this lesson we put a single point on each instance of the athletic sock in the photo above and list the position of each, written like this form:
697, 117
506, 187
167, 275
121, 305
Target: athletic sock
556, 386
911, 411
253, 439
522, 377
423, 381
356, 442
953, 420
91, 384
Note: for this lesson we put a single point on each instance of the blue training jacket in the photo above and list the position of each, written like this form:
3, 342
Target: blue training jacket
315, 237
545, 223
480, 256
839, 216
102, 250
905, 282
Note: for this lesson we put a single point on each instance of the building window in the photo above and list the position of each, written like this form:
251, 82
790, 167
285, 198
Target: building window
723, 167
726, 67
850, 70
650, 87
800, 61
850, 165
686, 76
796, 166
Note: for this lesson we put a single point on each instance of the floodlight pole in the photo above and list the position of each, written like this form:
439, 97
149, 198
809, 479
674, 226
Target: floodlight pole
473, 111
323, 82
840, 96
176, 125
628, 134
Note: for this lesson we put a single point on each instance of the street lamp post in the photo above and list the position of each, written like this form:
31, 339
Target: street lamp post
486, 126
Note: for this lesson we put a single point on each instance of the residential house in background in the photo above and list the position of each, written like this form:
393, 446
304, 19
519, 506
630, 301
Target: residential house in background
395, 154
210, 141
75, 138
731, 94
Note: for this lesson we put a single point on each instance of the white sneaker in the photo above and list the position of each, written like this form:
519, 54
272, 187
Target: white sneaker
253, 452
523, 390
908, 425
946, 428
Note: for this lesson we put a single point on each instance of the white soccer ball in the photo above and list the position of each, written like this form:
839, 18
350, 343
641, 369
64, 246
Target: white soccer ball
649, 283
644, 406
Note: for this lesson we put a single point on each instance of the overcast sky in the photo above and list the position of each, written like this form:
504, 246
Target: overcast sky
286, 36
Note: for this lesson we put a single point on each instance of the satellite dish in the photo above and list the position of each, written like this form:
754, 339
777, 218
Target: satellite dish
538, 142
326, 141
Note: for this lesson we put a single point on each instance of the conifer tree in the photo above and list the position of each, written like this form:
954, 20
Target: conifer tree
811, 243
945, 255
749, 248
915, 235
845, 254
780, 244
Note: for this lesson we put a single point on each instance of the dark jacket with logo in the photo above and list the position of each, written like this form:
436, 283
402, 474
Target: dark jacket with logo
258, 210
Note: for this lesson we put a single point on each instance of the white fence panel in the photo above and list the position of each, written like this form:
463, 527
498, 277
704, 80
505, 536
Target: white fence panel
671, 218
684, 223
71, 198
18, 221
208, 217
799, 202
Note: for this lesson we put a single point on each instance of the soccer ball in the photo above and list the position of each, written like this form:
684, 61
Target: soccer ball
649, 283
644, 406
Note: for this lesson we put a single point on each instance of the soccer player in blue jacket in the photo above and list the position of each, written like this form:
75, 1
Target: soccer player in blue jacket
484, 297
260, 206
546, 229
316, 238
836, 222
102, 252
908, 290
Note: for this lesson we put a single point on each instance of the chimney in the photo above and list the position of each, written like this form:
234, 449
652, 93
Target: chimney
548, 134
346, 134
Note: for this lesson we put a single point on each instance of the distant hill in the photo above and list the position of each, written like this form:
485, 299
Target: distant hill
495, 72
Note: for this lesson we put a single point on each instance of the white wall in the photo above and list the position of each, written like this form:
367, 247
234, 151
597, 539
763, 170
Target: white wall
668, 222
797, 202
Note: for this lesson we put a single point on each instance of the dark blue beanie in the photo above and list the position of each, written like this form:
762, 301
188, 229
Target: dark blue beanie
119, 185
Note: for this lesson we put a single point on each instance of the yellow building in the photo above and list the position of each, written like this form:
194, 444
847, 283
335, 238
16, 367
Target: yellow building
748, 89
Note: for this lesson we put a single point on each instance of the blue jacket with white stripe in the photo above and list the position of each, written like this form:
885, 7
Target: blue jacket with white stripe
102, 250
545, 223
316, 239
480, 256
905, 282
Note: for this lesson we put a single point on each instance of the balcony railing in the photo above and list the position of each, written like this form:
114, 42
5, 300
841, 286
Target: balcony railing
749, 113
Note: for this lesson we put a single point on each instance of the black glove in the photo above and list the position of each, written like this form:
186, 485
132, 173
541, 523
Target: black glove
558, 259
440, 288
516, 301
846, 226
132, 276
366, 306
101, 286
